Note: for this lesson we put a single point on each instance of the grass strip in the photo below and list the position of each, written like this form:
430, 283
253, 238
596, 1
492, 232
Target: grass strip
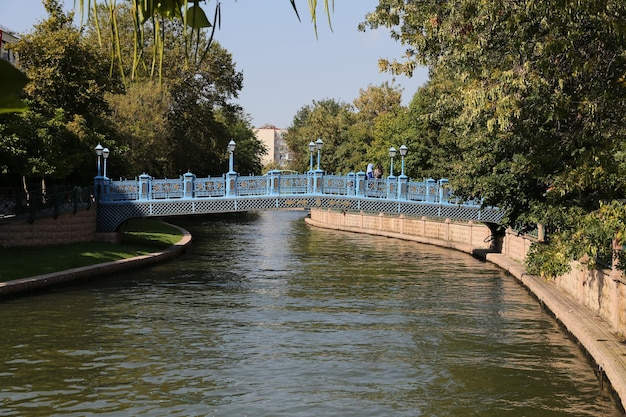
141, 236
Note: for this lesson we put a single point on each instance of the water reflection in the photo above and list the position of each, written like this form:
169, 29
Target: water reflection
266, 316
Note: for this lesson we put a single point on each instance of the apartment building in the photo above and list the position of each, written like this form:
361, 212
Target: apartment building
7, 36
278, 152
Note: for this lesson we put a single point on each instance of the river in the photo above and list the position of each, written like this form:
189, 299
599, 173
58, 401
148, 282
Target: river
267, 316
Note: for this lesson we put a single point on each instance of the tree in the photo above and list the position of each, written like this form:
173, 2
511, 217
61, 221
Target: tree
66, 103
188, 117
142, 131
328, 120
542, 92
193, 17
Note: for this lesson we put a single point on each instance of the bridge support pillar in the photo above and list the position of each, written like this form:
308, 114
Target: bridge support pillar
231, 183
98, 183
431, 190
351, 184
273, 182
310, 182
443, 185
188, 185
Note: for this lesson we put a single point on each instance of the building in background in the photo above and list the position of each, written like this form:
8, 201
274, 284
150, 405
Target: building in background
277, 150
7, 36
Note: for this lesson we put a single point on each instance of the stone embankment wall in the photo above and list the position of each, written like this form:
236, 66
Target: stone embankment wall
468, 237
65, 228
603, 291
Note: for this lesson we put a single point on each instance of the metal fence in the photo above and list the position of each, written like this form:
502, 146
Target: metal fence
36, 204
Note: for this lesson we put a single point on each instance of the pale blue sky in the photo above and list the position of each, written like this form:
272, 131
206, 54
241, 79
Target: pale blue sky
285, 67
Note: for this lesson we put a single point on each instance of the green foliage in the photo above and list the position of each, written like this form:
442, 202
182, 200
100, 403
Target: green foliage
549, 260
66, 105
349, 132
592, 237
184, 122
184, 19
328, 120
13, 81
529, 111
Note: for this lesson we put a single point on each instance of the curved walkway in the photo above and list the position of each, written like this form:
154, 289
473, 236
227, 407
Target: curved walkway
40, 282
591, 332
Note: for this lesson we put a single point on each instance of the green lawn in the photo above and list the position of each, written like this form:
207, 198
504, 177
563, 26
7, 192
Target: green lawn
141, 236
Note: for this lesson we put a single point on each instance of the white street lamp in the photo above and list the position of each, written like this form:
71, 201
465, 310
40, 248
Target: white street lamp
231, 149
318, 145
99, 154
392, 154
311, 150
403, 151
105, 156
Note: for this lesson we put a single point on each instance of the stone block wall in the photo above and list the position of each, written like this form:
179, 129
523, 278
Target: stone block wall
470, 234
516, 246
65, 228
601, 290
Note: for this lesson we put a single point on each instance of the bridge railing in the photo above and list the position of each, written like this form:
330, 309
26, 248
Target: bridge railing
146, 188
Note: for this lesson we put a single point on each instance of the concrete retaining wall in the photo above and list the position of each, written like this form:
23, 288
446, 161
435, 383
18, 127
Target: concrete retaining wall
468, 237
40, 282
65, 228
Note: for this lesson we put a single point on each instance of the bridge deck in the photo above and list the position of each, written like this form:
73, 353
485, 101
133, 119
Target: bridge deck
145, 197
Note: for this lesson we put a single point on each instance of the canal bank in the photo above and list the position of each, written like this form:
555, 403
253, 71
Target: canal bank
596, 336
85, 273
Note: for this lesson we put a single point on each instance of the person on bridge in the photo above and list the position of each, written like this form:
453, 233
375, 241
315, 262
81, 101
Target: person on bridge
370, 171
378, 172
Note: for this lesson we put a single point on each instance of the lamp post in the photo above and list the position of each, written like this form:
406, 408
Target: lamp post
311, 150
99, 154
403, 151
392, 154
105, 156
318, 145
231, 149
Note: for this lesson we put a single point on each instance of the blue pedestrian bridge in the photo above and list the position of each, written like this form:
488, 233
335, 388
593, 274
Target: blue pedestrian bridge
146, 196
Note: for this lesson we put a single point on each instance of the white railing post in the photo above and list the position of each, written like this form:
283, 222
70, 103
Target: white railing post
442, 184
144, 187
188, 185
430, 187
361, 181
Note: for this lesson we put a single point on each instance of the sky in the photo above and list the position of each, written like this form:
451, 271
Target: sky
285, 67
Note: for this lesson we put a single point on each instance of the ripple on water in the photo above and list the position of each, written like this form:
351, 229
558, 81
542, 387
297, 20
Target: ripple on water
266, 316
